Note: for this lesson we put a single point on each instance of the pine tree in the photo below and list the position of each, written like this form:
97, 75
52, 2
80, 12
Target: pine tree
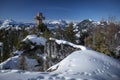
42, 28
59, 33
47, 34
69, 33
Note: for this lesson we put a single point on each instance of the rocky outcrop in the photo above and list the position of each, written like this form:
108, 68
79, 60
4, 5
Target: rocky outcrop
33, 49
37, 54
56, 52
29, 56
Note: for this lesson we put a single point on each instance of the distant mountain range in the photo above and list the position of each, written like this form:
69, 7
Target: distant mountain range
51, 24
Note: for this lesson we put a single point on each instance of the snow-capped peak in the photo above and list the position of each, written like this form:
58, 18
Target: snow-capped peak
90, 19
7, 23
62, 22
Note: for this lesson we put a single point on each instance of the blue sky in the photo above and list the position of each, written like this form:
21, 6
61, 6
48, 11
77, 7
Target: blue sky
25, 10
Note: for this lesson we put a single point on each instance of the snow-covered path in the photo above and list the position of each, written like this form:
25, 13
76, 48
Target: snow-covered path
80, 65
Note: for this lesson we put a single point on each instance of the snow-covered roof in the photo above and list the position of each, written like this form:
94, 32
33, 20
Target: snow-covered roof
35, 39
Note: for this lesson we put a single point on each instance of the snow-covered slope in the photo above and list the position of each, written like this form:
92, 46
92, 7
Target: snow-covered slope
11, 63
69, 43
89, 64
60, 22
27, 57
8, 23
80, 65
14, 63
35, 39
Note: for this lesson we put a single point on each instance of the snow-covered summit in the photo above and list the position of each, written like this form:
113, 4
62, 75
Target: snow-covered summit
90, 19
8, 22
61, 22
88, 64
52, 24
80, 65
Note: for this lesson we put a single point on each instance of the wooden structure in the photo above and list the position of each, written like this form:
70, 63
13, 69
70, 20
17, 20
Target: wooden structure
39, 17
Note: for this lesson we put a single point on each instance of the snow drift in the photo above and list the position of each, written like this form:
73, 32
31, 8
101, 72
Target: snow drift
80, 65
69, 43
35, 39
89, 64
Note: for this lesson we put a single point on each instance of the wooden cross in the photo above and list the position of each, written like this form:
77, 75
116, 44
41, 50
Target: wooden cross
39, 17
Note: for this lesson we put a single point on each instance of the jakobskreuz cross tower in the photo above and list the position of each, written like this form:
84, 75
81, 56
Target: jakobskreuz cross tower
39, 17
